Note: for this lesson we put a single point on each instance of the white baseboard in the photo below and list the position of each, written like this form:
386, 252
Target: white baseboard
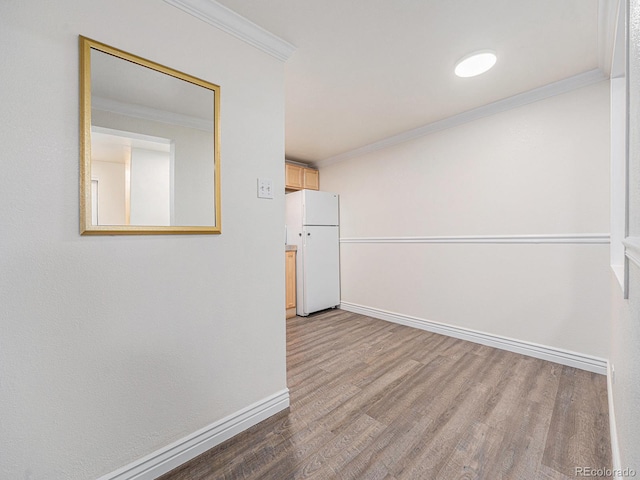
613, 431
189, 447
552, 354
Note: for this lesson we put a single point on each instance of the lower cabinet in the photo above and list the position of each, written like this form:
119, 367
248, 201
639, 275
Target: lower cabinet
290, 274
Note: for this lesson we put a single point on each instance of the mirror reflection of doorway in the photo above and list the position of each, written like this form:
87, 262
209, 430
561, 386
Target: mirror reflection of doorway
94, 202
135, 176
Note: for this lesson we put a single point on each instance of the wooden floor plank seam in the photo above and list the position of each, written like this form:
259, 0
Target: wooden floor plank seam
372, 400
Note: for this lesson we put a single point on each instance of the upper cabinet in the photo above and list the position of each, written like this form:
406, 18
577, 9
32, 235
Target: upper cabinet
311, 179
297, 177
293, 175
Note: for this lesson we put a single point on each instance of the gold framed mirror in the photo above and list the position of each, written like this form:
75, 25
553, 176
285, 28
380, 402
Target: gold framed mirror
150, 147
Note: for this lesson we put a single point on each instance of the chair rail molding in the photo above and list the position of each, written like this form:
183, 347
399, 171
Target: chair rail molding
574, 238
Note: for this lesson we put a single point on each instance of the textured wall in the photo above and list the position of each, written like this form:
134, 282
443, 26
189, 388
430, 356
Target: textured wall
538, 169
113, 347
625, 351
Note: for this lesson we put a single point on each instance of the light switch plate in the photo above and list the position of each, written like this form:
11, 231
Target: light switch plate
265, 188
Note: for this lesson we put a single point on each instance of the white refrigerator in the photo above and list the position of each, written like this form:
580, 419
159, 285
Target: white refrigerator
312, 225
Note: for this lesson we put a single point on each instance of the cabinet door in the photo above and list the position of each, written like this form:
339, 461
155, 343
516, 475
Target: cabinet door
290, 271
311, 179
293, 175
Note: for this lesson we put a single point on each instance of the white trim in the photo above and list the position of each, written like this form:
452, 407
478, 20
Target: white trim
618, 271
613, 430
149, 113
618, 172
619, 56
607, 21
173, 455
552, 354
599, 238
300, 164
563, 86
632, 249
133, 136
234, 24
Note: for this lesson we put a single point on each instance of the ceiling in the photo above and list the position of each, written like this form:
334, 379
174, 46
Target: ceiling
114, 79
365, 70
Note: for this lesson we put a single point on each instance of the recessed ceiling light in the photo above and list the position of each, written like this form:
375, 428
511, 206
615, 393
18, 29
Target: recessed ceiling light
475, 63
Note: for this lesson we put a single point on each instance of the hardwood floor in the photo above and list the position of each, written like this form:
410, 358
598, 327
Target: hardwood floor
376, 400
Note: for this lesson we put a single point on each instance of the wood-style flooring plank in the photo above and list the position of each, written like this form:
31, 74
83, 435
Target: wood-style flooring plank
579, 417
372, 400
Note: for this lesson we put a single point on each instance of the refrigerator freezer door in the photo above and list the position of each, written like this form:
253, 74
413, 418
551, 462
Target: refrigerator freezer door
321, 269
293, 218
320, 208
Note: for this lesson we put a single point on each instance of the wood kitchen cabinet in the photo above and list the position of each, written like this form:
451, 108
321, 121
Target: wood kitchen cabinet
293, 177
311, 179
297, 177
290, 275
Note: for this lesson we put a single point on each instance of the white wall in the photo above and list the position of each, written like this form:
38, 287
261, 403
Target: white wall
625, 358
111, 191
193, 175
150, 187
115, 346
542, 168
625, 326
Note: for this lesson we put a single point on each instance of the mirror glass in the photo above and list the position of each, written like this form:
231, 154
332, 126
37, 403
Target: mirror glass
150, 146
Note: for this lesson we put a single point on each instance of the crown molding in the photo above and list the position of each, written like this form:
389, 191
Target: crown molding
234, 24
148, 113
295, 162
563, 86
